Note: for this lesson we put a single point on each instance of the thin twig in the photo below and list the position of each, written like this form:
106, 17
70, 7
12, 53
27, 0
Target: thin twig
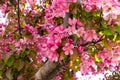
94, 42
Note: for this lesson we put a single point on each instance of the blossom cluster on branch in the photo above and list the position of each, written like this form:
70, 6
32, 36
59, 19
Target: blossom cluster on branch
91, 37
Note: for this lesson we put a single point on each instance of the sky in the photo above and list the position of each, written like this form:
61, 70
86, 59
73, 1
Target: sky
2, 19
92, 77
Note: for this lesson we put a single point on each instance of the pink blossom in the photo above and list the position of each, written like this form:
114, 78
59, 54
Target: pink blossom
80, 49
59, 8
68, 48
53, 56
87, 65
90, 35
116, 54
71, 30
90, 5
3, 8
70, 41
86, 70
72, 22
84, 56
79, 23
31, 29
20, 43
105, 54
31, 2
73, 0
59, 29
80, 32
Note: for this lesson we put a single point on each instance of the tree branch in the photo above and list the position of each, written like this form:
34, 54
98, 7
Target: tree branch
50, 69
65, 21
20, 34
84, 44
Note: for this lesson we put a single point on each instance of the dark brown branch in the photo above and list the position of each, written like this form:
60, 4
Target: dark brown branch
65, 22
20, 34
94, 42
10, 35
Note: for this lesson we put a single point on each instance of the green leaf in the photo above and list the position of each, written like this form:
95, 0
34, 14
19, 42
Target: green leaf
117, 28
19, 65
86, 15
10, 62
1, 72
107, 32
11, 46
24, 53
92, 50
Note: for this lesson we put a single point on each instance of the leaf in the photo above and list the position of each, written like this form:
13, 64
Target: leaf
10, 62
96, 58
18, 65
1, 72
72, 8
106, 44
24, 53
92, 50
115, 37
117, 28
11, 46
107, 31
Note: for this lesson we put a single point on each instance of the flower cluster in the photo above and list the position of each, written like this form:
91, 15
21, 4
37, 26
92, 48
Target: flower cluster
110, 8
41, 35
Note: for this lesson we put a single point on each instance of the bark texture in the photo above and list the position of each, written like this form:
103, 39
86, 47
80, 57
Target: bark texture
50, 69
45, 70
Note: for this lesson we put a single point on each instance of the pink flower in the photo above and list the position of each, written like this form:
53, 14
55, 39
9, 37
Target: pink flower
90, 5
3, 8
73, 0
52, 55
31, 2
88, 64
71, 30
79, 23
80, 32
80, 49
90, 35
70, 41
72, 22
31, 29
68, 48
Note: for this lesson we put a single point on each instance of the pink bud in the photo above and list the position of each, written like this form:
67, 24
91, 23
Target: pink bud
70, 41
80, 49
